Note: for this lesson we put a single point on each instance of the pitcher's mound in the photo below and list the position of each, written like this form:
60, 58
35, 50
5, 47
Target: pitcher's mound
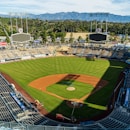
70, 88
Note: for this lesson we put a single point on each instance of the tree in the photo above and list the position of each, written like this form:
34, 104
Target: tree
61, 35
79, 38
87, 38
62, 39
71, 38
44, 36
53, 36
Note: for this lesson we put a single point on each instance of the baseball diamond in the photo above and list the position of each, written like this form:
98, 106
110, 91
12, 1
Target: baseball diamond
37, 76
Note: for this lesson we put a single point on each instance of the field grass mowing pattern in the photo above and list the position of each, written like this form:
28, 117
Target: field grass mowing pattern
60, 88
24, 72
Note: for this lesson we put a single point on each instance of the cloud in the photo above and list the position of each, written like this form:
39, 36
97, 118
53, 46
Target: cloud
53, 6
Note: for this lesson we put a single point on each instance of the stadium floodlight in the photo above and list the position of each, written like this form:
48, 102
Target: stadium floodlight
26, 22
21, 17
16, 16
20, 36
11, 28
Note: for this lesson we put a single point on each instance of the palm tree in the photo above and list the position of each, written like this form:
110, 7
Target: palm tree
44, 36
71, 38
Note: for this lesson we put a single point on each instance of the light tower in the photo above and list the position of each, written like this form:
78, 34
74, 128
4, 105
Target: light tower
11, 28
16, 22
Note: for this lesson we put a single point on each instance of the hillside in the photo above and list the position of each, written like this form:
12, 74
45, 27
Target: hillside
84, 16
79, 16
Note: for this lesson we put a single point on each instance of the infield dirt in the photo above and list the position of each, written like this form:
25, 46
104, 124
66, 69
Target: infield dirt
44, 82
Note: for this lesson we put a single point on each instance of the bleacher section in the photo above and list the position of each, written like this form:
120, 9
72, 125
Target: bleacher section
105, 51
127, 98
112, 52
13, 95
18, 54
14, 110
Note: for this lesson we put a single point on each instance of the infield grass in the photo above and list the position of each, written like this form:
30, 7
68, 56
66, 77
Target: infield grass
60, 88
24, 72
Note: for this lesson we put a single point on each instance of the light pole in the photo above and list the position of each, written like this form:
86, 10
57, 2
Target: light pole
74, 105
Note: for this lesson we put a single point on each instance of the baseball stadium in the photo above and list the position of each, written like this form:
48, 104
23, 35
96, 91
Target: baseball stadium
64, 87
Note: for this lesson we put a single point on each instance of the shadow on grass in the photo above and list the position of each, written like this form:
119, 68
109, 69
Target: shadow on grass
68, 79
100, 103
113, 75
80, 114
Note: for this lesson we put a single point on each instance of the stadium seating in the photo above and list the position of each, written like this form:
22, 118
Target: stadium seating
30, 118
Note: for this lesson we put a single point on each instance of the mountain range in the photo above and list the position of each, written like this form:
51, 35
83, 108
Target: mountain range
78, 16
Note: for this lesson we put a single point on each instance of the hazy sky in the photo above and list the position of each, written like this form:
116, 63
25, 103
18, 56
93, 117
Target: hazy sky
121, 7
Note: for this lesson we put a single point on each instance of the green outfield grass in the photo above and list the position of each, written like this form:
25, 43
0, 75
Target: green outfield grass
24, 72
60, 89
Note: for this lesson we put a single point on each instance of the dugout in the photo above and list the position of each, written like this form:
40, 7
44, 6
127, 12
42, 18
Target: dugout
90, 57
